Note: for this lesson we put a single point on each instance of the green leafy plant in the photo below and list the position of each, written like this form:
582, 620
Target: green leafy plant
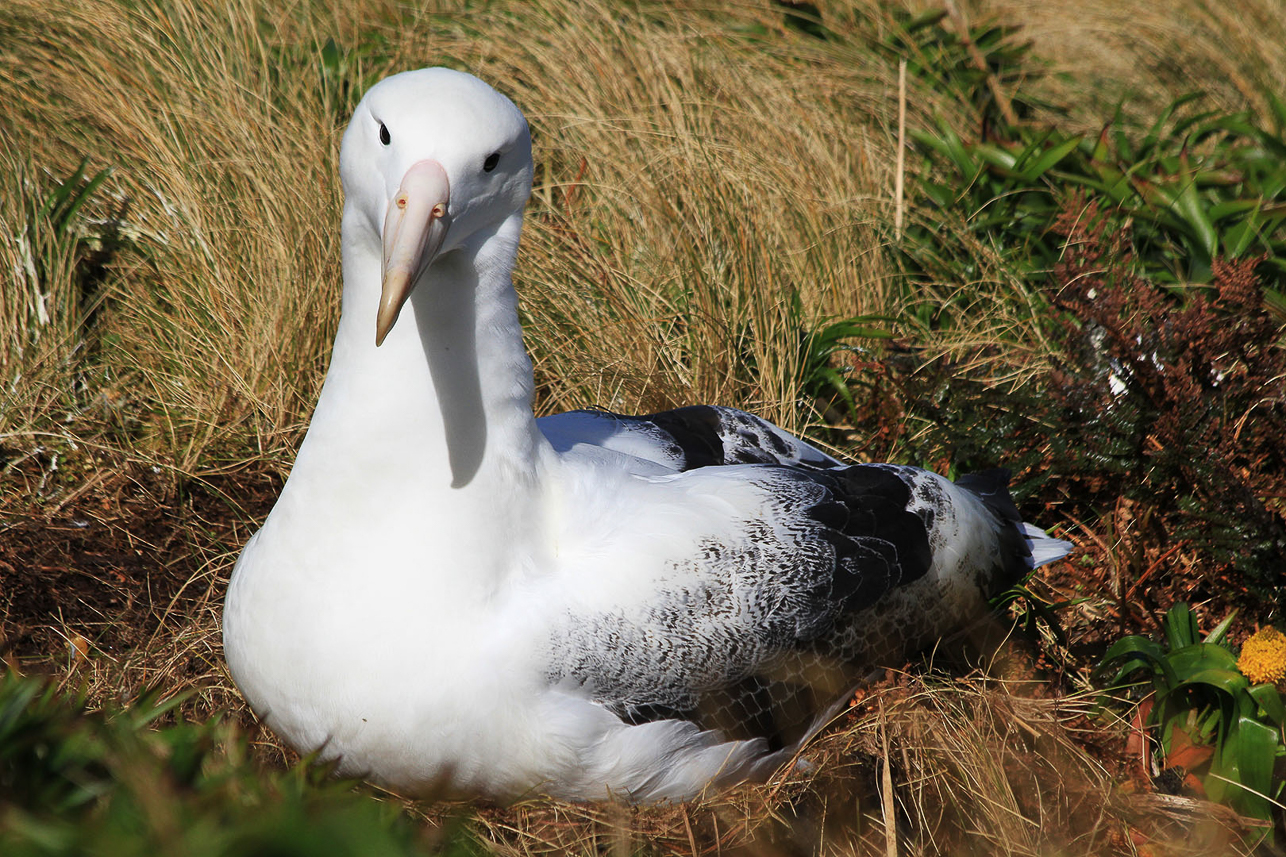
1192, 188
53, 236
124, 782
1207, 719
1032, 611
982, 70
823, 381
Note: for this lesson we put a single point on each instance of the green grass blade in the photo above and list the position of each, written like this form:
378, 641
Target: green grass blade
996, 156
82, 195
58, 195
1270, 702
1180, 627
1244, 764
1225, 680
1201, 656
1190, 206
1050, 159
1221, 630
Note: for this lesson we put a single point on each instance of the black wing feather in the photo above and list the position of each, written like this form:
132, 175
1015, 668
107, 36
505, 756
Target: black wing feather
838, 541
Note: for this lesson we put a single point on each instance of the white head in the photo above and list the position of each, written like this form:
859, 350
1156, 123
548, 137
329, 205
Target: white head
434, 160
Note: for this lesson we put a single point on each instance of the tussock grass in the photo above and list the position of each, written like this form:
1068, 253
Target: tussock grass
38, 345
713, 184
977, 766
695, 189
701, 198
230, 212
1148, 54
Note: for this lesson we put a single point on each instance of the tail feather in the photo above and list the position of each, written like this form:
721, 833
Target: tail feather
1044, 549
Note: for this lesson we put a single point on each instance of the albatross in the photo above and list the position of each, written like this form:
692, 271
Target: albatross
451, 596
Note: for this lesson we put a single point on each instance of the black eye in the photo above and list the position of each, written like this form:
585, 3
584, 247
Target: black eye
384, 137
490, 163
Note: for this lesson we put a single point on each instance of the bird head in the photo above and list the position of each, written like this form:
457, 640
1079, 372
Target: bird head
434, 160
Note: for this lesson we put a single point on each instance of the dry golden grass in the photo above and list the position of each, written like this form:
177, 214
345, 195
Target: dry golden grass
1148, 54
976, 766
694, 178
38, 304
231, 204
691, 182
698, 166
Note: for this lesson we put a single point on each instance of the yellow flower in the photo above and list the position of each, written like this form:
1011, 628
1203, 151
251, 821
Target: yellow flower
1263, 656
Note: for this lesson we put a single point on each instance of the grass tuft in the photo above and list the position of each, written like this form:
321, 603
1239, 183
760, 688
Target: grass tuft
710, 223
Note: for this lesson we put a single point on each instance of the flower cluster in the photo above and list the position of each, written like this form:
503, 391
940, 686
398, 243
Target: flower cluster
1263, 656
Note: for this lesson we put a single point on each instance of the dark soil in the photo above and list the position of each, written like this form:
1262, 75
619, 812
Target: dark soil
108, 563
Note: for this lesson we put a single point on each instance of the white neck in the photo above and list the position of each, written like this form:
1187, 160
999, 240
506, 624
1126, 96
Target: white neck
446, 400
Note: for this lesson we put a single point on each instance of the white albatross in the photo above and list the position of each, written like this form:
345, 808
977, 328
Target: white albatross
453, 596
